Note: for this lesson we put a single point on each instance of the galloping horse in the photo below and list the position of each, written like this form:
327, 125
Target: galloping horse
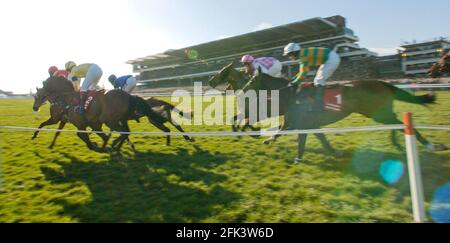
165, 109
373, 99
237, 81
113, 109
440, 68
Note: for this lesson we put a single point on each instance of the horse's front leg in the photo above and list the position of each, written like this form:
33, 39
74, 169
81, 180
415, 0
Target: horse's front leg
301, 148
327, 145
60, 127
50, 121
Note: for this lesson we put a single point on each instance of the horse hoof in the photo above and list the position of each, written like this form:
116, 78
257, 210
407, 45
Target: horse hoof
297, 161
440, 147
436, 147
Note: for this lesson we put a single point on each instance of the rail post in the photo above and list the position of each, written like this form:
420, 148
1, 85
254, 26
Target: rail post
415, 178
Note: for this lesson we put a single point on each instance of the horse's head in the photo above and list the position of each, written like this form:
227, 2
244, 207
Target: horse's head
226, 75
40, 98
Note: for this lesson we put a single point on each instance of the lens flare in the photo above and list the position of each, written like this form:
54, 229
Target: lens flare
440, 206
391, 171
191, 54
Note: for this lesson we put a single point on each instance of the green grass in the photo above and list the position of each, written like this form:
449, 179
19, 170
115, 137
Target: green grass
213, 179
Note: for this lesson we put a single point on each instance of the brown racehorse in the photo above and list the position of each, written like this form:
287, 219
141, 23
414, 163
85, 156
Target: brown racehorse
440, 68
113, 109
373, 99
237, 81
57, 115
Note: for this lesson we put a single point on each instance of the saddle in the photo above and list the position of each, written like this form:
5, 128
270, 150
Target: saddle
331, 99
89, 97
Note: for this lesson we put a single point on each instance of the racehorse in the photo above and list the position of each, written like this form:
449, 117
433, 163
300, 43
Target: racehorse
373, 99
440, 68
237, 81
57, 115
113, 109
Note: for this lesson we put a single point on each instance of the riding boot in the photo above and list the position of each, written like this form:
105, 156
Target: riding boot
319, 97
80, 108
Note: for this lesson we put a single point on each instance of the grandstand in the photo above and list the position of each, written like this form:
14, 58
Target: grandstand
182, 67
417, 57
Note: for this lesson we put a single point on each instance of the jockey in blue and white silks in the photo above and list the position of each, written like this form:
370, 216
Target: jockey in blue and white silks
126, 83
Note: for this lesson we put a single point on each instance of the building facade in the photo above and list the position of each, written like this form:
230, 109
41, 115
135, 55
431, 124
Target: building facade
182, 67
417, 58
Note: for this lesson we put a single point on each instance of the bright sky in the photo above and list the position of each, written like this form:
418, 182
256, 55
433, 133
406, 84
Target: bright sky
38, 34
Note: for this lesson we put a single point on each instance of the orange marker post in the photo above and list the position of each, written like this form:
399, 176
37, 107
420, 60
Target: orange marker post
415, 178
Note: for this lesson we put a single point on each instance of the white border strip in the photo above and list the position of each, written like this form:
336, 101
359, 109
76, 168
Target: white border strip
433, 127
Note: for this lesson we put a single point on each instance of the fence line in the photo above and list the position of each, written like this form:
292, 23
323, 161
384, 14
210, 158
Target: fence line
402, 86
415, 179
223, 134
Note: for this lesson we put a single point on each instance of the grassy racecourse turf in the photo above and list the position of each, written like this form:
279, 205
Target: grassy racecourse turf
213, 179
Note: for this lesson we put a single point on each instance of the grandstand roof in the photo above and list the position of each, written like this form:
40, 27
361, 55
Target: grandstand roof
297, 31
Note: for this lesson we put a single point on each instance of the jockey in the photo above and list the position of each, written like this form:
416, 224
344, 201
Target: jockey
327, 60
54, 71
90, 72
268, 65
126, 83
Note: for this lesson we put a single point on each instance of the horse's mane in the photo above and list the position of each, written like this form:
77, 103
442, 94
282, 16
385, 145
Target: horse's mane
57, 84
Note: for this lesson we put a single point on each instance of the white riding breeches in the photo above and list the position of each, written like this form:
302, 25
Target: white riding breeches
92, 78
274, 71
327, 69
130, 85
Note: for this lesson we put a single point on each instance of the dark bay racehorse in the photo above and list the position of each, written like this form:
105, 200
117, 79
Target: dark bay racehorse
113, 109
440, 68
373, 99
237, 80
57, 115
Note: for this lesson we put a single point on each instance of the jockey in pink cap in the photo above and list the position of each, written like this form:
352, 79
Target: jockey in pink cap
268, 65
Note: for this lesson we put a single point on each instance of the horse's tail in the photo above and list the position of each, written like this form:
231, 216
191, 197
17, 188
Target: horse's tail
402, 95
187, 115
140, 105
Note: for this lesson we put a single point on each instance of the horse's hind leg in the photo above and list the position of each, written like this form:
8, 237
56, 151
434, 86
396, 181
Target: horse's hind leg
162, 128
103, 136
394, 140
125, 137
60, 127
179, 128
85, 137
131, 145
115, 126
388, 117
325, 143
429, 145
